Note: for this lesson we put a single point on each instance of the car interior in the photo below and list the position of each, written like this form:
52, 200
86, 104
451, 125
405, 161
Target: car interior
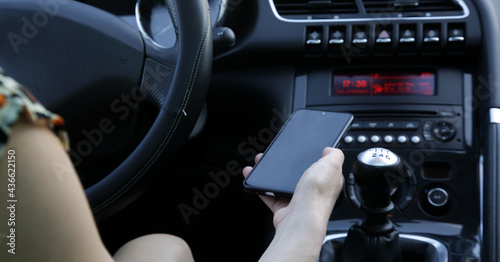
166, 101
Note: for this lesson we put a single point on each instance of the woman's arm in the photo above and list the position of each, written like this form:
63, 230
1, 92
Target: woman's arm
51, 220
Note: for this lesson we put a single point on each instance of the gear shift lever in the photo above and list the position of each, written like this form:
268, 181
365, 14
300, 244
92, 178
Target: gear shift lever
377, 172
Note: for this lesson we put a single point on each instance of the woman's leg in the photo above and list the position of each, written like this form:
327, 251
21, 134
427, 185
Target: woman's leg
156, 247
47, 217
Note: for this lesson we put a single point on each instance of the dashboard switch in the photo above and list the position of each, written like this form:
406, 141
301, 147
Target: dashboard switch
431, 35
402, 139
336, 39
456, 38
456, 35
383, 42
337, 36
384, 37
348, 139
437, 197
360, 37
432, 39
388, 139
314, 37
362, 139
415, 139
408, 38
375, 139
314, 42
444, 131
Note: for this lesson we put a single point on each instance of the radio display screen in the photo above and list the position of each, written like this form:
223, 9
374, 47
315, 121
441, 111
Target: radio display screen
384, 84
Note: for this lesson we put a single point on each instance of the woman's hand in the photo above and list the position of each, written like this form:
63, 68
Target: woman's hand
301, 222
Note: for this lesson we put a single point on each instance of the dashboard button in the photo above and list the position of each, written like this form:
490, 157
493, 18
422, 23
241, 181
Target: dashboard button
432, 38
362, 139
360, 37
384, 37
428, 125
437, 197
314, 43
411, 125
348, 139
444, 131
388, 139
402, 139
407, 35
313, 37
408, 38
415, 139
357, 125
337, 36
390, 125
456, 34
375, 139
383, 40
431, 35
371, 124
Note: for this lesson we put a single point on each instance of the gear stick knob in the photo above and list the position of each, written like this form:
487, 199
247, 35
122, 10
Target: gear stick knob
377, 172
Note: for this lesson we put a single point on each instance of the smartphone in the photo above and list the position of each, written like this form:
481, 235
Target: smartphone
297, 146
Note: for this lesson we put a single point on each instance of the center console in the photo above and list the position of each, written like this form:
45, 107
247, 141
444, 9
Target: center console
425, 116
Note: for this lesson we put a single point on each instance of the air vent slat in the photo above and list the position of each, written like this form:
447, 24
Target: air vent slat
378, 6
314, 7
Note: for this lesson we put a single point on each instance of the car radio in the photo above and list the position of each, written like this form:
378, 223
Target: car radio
394, 108
429, 127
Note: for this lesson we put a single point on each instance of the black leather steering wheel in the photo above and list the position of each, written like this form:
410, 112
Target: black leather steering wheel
67, 53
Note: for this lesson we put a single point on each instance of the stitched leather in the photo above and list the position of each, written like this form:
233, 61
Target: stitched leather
179, 103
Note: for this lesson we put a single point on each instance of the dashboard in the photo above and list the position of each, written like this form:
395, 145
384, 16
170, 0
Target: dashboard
413, 75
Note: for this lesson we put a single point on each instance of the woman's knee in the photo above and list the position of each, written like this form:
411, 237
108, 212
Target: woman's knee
155, 247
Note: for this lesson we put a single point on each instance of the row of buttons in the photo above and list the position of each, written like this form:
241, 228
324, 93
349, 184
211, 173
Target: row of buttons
407, 37
388, 139
408, 125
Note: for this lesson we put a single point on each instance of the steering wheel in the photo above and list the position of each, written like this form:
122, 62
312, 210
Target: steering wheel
74, 57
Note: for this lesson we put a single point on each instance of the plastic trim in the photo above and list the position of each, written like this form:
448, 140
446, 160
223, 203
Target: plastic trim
464, 6
494, 115
440, 248
141, 28
481, 198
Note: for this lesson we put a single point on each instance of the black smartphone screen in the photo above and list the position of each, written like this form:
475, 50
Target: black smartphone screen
297, 146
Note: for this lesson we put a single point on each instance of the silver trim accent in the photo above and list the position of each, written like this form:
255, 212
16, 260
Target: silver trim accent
440, 248
434, 203
360, 41
313, 42
407, 40
141, 29
431, 39
464, 6
481, 198
494, 115
456, 39
336, 41
383, 40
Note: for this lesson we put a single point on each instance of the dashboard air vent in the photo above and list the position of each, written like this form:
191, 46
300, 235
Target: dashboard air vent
417, 6
315, 7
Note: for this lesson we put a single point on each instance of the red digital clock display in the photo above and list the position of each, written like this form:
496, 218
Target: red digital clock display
380, 84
